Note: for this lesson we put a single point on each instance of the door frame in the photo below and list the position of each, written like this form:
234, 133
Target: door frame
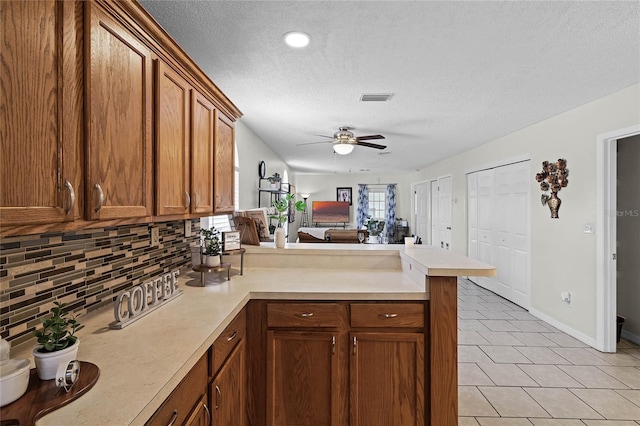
606, 214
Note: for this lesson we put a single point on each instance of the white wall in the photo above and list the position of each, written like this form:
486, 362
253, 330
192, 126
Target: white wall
563, 257
628, 224
252, 150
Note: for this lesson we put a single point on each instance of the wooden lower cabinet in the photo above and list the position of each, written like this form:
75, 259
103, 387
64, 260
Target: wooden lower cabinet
386, 379
302, 378
200, 415
227, 390
367, 369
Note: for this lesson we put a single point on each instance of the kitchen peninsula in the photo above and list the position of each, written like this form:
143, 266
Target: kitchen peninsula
143, 363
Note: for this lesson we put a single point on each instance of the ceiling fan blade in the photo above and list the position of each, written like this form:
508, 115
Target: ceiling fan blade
313, 143
371, 145
368, 138
324, 136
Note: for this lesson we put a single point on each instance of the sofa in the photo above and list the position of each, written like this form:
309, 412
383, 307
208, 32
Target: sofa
330, 235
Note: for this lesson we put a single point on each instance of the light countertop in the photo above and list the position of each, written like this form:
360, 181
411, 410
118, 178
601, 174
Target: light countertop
141, 364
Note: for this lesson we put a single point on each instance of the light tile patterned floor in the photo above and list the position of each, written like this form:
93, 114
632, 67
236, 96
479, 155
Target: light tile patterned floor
516, 370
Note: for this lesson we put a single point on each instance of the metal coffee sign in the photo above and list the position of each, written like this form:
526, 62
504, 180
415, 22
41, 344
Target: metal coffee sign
138, 301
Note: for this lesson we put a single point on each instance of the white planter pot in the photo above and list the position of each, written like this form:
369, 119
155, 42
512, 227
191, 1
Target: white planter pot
279, 237
212, 261
373, 239
47, 362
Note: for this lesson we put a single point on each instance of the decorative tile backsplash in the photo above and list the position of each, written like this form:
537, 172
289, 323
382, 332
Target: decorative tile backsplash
85, 269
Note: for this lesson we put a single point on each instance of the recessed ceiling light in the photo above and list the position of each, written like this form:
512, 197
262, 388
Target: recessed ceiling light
297, 39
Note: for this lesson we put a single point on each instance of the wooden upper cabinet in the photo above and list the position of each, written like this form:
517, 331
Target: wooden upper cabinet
172, 142
119, 175
202, 137
224, 165
40, 123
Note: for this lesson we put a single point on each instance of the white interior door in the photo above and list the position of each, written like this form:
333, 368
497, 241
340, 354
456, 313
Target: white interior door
422, 216
444, 211
485, 224
435, 234
472, 215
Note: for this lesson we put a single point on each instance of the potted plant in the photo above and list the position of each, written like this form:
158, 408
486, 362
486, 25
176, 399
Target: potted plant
212, 246
57, 342
282, 207
375, 227
274, 180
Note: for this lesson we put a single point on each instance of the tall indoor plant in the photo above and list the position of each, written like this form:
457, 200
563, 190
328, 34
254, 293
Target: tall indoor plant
282, 207
57, 342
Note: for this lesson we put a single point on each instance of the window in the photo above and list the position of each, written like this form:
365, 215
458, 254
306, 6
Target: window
377, 203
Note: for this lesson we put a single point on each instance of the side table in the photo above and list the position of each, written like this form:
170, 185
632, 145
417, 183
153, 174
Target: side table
239, 251
202, 268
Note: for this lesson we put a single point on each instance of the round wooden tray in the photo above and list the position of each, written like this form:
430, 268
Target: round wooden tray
43, 396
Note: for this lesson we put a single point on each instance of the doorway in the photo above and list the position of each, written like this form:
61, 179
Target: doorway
607, 236
422, 211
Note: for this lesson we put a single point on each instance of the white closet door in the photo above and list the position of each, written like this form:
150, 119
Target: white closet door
486, 211
472, 215
503, 229
521, 234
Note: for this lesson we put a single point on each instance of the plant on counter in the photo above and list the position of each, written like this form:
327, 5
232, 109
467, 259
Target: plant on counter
57, 343
212, 246
57, 331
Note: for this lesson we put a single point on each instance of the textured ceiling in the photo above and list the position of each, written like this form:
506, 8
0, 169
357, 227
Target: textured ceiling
462, 73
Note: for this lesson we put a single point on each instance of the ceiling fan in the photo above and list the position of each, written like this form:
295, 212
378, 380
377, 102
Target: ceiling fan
344, 141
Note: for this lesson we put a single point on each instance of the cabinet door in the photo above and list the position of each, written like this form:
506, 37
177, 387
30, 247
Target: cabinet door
200, 416
224, 166
228, 391
172, 142
41, 113
119, 112
202, 128
387, 379
302, 378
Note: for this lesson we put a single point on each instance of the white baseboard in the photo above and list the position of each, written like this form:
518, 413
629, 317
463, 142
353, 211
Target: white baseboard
634, 338
563, 327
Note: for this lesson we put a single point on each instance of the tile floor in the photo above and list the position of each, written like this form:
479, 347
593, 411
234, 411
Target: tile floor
516, 370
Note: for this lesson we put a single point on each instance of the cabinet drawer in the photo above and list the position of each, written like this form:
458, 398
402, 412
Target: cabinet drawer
387, 315
228, 340
180, 403
303, 314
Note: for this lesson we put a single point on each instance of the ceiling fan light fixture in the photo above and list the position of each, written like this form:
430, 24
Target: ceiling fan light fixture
343, 148
297, 39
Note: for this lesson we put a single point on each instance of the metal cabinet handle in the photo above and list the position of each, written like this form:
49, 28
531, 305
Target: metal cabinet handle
218, 397
173, 418
355, 343
389, 315
100, 202
72, 197
306, 315
333, 345
233, 336
187, 200
208, 414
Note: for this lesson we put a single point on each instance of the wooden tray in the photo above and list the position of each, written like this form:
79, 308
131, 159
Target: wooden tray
42, 397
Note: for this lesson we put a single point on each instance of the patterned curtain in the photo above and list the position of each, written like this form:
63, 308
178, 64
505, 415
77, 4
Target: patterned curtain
391, 212
363, 205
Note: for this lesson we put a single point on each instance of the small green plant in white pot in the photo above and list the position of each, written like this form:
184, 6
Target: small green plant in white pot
57, 342
212, 247
282, 207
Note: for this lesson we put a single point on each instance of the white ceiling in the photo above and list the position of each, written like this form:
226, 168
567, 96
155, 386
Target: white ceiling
462, 73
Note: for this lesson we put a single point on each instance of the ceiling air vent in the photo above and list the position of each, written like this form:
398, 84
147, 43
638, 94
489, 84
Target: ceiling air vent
375, 97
